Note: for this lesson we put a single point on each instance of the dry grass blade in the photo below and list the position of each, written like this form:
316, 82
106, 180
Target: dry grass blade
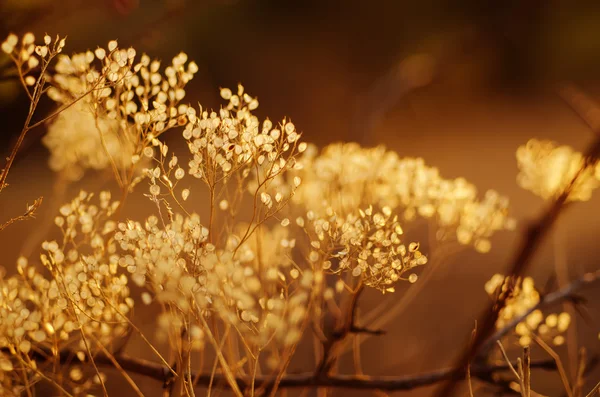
594, 390
508, 362
559, 365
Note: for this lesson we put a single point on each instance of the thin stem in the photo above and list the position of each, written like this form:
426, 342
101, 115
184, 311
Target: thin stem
569, 292
512, 368
527, 371
383, 314
228, 374
559, 364
332, 346
120, 369
594, 390
561, 269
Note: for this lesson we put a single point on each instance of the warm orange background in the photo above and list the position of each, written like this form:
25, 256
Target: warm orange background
320, 62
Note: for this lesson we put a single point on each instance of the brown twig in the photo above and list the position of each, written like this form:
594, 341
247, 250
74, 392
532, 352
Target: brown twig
334, 342
29, 213
161, 373
568, 293
559, 365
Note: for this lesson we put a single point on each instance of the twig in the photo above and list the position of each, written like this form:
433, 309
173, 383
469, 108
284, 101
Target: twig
580, 103
469, 380
29, 213
532, 238
512, 367
569, 292
590, 365
384, 313
364, 330
118, 367
527, 371
594, 390
559, 365
228, 373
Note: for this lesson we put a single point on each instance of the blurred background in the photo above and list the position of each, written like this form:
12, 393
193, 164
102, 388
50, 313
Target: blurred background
460, 83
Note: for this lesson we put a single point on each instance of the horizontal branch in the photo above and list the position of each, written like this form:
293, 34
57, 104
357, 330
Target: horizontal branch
390, 383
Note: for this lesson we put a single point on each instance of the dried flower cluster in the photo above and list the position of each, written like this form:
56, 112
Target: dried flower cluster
245, 273
122, 105
233, 143
366, 243
83, 304
241, 272
280, 237
547, 170
522, 297
28, 57
345, 177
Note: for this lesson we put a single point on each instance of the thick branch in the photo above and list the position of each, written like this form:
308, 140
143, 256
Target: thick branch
390, 383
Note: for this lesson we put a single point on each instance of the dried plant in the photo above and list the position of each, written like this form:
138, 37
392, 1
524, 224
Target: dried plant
258, 241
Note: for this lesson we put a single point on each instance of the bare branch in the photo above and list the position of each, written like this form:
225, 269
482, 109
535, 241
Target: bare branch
569, 292
532, 237
390, 383
29, 213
